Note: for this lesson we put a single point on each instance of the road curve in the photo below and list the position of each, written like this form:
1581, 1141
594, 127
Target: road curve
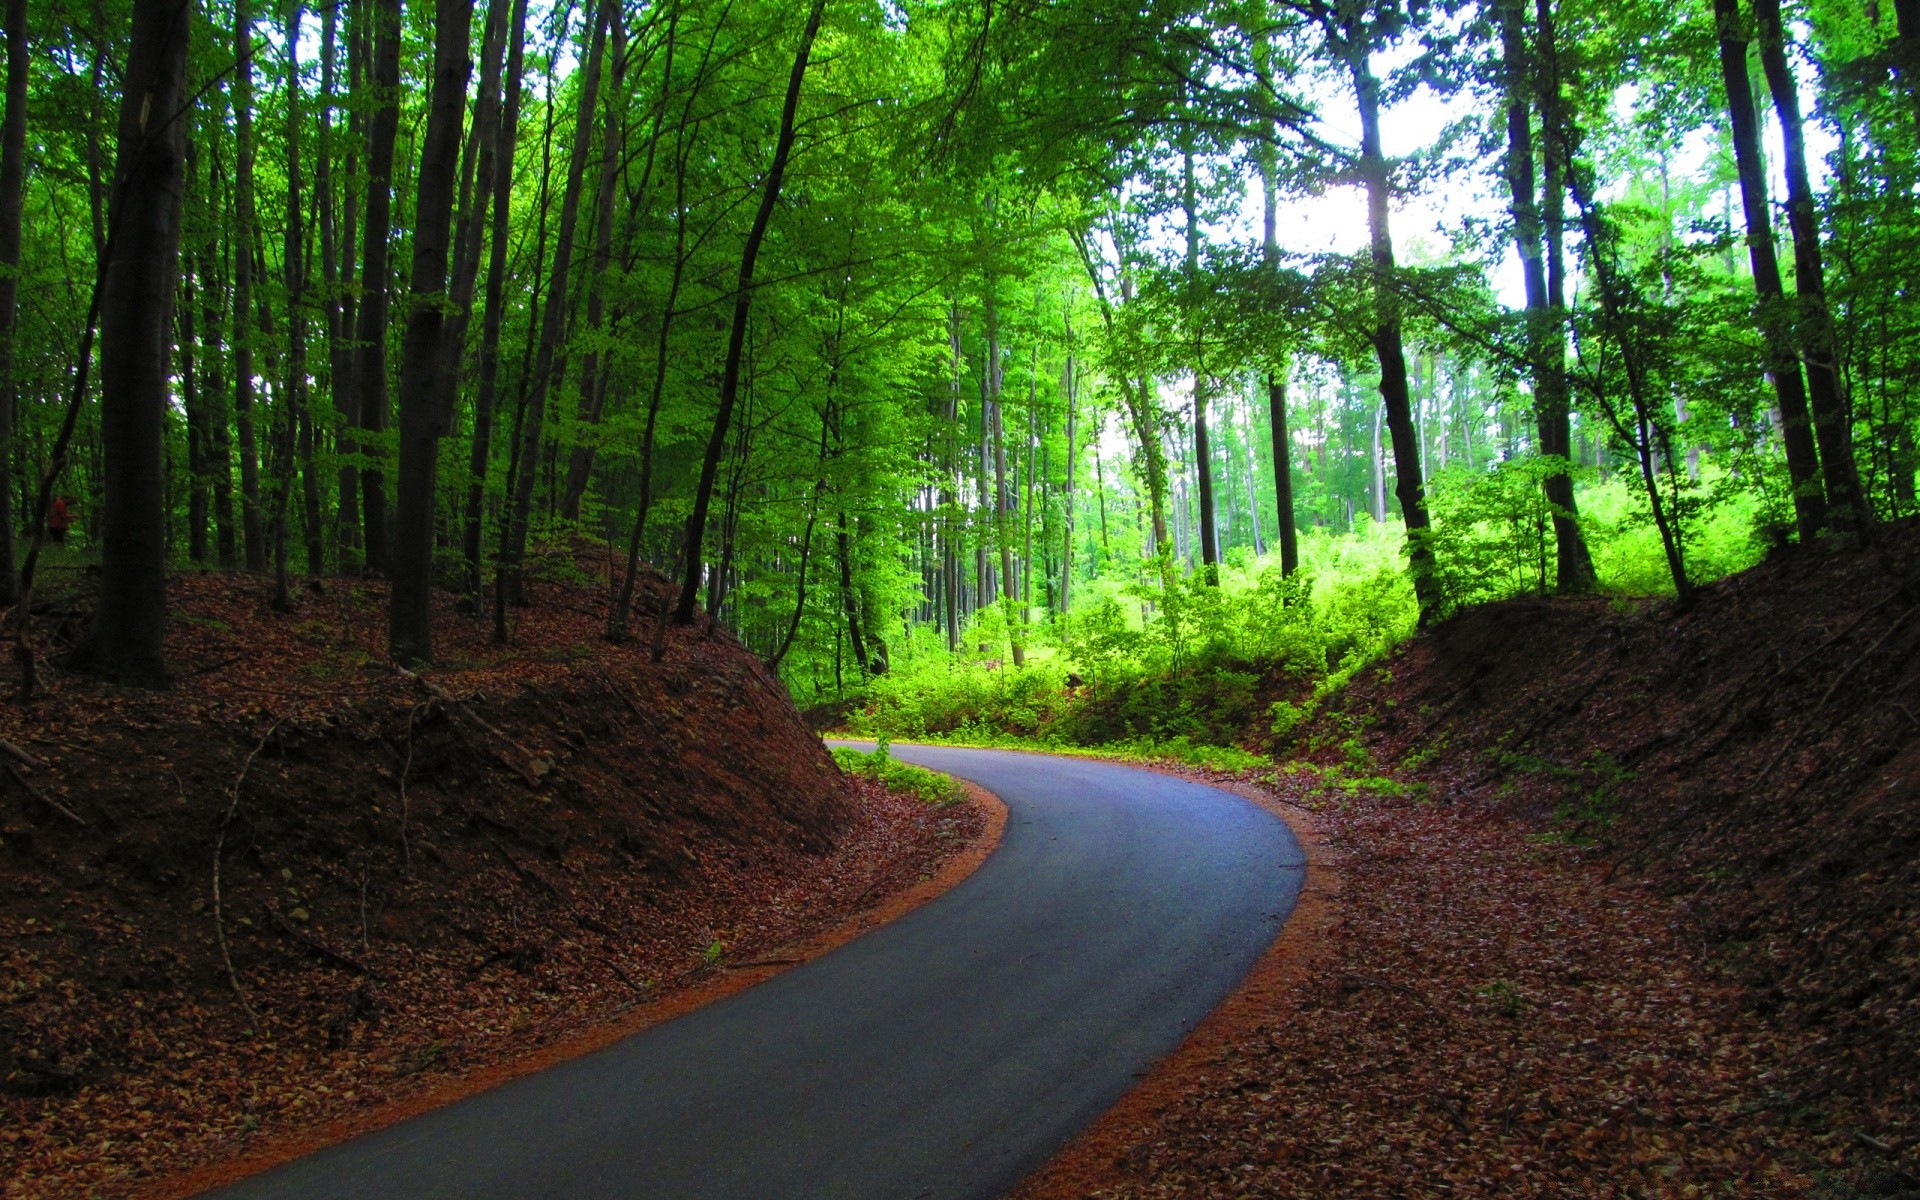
944, 1056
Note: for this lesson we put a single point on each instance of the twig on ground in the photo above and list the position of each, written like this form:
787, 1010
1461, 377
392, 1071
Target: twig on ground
326, 952
25, 758
20, 778
219, 847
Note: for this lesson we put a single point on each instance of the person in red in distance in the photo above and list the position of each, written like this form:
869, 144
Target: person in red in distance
59, 519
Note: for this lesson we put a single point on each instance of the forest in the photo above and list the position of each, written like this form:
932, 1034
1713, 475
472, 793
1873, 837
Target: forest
458, 460
911, 336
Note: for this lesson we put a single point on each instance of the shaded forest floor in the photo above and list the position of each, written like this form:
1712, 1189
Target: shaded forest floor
1622, 902
419, 880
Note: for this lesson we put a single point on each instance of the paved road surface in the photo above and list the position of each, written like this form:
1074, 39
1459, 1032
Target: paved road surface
944, 1056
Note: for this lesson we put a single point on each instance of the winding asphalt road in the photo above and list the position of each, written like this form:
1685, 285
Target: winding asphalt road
944, 1056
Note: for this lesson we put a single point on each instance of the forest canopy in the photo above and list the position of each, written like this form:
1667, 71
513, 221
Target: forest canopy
964, 331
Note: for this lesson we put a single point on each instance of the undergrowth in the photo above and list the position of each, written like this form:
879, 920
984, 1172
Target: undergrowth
931, 787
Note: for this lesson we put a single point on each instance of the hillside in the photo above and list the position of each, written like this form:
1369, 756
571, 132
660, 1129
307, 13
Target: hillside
1757, 760
404, 879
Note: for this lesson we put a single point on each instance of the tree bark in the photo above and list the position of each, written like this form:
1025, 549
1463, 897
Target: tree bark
1002, 495
594, 367
13, 174
125, 642
486, 391
1386, 333
1282, 471
253, 533
743, 299
1202, 444
410, 613
1783, 364
1546, 330
370, 353
546, 364
1832, 422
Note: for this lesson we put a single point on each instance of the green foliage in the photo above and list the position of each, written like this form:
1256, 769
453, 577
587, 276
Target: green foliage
931, 787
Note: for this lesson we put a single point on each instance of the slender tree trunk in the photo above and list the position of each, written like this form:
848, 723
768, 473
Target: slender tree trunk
1832, 422
1070, 384
849, 599
1002, 495
1783, 364
547, 363
370, 354
125, 642
595, 366
743, 299
476, 193
948, 477
13, 175
342, 305
196, 409
410, 615
252, 528
1386, 335
298, 422
486, 392
1282, 471
1546, 331
1202, 443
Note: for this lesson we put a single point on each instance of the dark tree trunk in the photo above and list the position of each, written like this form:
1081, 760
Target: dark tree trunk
125, 642
1002, 494
337, 259
1546, 334
1789, 389
1386, 335
548, 363
253, 532
370, 360
13, 175
1832, 422
486, 391
742, 302
594, 367
410, 615
196, 410
1282, 471
476, 191
1202, 444
297, 420
850, 599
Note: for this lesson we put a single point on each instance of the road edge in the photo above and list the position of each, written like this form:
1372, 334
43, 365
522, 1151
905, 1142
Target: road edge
1092, 1160
727, 981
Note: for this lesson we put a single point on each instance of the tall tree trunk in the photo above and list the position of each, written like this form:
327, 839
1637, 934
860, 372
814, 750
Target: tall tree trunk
595, 367
850, 599
125, 642
1277, 374
370, 354
13, 175
1386, 332
196, 408
948, 479
296, 386
1202, 444
1002, 495
1282, 471
1832, 422
1546, 332
743, 299
337, 261
1783, 364
1070, 385
487, 390
252, 528
410, 614
553, 320
476, 192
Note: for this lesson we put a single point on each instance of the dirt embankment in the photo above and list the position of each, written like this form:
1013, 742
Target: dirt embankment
1756, 762
416, 877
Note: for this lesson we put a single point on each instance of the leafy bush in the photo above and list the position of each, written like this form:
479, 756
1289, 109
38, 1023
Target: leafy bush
931, 787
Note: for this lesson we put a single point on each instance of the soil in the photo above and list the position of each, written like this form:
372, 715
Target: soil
425, 883
1621, 901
